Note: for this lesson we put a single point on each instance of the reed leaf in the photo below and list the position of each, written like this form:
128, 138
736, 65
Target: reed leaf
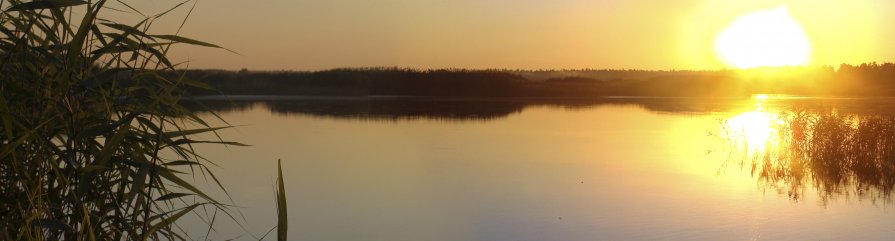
45, 4
180, 39
282, 214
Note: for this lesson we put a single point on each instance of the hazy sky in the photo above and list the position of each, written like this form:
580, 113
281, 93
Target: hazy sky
644, 34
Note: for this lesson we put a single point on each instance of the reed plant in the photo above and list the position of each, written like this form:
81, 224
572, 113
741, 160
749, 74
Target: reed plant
836, 154
94, 141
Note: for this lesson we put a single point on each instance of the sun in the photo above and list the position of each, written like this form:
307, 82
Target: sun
768, 38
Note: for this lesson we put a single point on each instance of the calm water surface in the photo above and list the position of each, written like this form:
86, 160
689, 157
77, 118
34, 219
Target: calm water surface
667, 169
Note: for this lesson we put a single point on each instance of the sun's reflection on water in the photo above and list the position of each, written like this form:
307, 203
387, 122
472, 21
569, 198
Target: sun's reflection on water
754, 129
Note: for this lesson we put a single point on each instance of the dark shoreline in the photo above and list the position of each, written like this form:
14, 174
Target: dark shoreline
848, 81
473, 98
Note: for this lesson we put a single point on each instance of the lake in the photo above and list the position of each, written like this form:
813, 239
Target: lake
389, 168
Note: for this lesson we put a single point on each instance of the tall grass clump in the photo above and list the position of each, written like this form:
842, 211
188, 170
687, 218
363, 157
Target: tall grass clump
836, 154
94, 143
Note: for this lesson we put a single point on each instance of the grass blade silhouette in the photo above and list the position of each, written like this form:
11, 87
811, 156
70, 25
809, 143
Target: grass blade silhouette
282, 215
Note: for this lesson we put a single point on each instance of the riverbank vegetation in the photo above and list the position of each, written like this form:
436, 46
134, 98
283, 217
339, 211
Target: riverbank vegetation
839, 155
95, 142
846, 80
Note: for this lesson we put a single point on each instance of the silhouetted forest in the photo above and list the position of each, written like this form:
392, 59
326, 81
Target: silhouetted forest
869, 79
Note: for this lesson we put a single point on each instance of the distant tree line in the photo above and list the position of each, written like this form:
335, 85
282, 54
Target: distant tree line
846, 80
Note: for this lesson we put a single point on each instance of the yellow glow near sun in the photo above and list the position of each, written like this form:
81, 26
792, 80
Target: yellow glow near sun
765, 38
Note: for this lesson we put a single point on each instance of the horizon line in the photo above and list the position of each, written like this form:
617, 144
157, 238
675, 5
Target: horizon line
418, 69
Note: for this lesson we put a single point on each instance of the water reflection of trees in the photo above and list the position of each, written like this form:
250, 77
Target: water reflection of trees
445, 108
375, 109
839, 155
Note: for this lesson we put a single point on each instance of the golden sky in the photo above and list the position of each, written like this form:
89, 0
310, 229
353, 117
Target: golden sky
527, 34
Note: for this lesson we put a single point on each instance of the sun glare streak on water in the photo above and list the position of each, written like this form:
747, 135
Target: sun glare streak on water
755, 129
